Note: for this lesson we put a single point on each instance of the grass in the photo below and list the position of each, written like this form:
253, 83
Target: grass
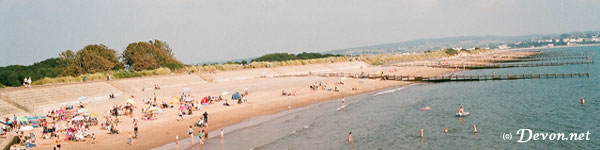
385, 58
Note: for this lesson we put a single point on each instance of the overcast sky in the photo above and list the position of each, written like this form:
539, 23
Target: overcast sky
199, 30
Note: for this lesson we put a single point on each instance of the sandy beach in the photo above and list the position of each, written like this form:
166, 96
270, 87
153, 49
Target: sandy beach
264, 97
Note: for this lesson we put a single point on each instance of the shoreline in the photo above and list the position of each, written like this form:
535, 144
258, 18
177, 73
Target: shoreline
540, 48
261, 120
264, 99
163, 131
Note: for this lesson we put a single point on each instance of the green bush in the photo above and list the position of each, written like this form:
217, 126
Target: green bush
125, 74
174, 66
451, 52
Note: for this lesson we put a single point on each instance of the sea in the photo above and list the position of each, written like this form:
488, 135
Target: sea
392, 119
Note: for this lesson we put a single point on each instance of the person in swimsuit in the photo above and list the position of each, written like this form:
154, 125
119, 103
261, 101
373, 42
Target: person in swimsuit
350, 138
461, 110
57, 142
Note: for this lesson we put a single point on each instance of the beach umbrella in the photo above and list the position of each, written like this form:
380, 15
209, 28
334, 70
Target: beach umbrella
75, 102
26, 128
94, 114
130, 101
204, 100
224, 93
158, 112
21, 118
189, 99
83, 110
153, 109
175, 100
236, 96
78, 118
82, 98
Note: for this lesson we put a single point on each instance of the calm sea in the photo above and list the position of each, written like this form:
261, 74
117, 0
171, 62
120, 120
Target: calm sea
392, 119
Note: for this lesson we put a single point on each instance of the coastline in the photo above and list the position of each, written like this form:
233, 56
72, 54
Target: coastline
264, 98
287, 115
545, 47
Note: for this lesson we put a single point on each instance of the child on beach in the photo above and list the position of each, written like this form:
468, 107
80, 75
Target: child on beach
181, 115
130, 139
221, 133
200, 136
191, 132
350, 138
93, 138
135, 129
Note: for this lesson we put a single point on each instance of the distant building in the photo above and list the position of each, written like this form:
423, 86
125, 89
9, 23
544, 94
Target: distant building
504, 46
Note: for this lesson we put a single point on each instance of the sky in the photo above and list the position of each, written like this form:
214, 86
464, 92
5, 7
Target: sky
217, 30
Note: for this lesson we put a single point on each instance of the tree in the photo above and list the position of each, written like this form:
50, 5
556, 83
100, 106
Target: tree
90, 59
149, 55
69, 62
97, 58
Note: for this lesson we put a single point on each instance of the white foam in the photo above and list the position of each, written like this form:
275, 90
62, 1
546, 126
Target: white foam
390, 91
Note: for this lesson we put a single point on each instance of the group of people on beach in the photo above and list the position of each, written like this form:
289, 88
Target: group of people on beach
27, 82
67, 123
325, 86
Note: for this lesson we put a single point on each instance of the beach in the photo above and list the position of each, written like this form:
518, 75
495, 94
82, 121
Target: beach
264, 97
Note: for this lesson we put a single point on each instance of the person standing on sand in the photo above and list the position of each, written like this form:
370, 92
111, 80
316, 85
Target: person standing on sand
200, 136
130, 139
350, 138
57, 142
135, 129
221, 133
205, 115
191, 132
181, 115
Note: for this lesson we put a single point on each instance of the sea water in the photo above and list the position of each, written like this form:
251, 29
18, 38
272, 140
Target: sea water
392, 119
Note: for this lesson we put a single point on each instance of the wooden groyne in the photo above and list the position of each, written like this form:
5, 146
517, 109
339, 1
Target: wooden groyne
492, 66
483, 77
440, 78
525, 59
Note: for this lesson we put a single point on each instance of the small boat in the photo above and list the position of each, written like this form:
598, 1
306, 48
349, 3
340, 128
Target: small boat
462, 114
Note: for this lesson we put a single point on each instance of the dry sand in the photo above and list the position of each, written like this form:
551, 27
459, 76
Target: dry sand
264, 98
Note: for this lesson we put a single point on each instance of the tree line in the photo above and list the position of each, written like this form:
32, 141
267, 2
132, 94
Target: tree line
285, 56
94, 58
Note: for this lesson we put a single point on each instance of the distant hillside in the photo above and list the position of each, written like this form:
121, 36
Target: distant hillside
421, 45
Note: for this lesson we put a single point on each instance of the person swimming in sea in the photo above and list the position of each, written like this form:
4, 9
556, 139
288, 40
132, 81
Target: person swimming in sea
461, 110
582, 101
350, 138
